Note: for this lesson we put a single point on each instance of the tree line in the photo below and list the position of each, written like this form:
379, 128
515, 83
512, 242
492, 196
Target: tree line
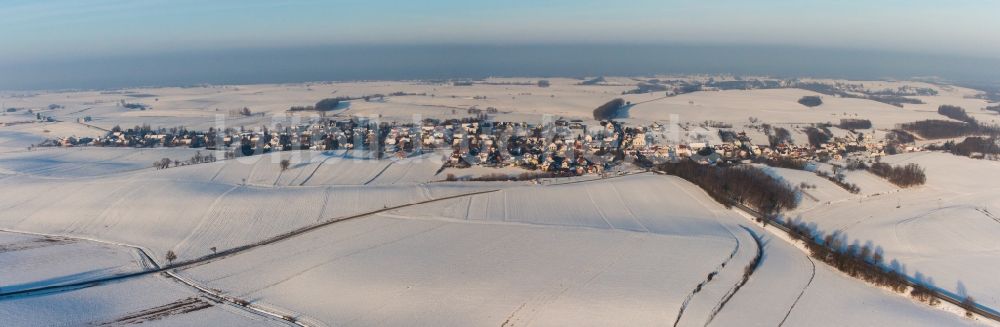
903, 176
746, 185
995, 108
800, 164
855, 124
956, 113
971, 145
865, 263
323, 105
498, 177
940, 129
609, 110
164, 163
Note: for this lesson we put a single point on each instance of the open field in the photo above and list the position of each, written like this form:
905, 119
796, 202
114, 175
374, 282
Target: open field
340, 238
942, 233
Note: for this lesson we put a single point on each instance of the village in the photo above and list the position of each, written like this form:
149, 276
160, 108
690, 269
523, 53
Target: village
562, 146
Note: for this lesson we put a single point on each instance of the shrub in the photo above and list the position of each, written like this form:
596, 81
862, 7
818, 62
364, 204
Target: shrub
816, 136
894, 100
838, 179
727, 135
902, 176
609, 110
301, 108
855, 124
162, 163
969, 304
644, 87
899, 136
940, 129
780, 136
134, 106
811, 101
329, 104
956, 113
972, 145
783, 162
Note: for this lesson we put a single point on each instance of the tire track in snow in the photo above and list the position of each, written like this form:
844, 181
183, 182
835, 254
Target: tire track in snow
178, 307
204, 218
222, 167
379, 173
315, 170
988, 214
103, 216
748, 271
725, 227
789, 313
236, 302
327, 191
982, 310
348, 255
627, 208
711, 275
598, 208
584, 278
215, 256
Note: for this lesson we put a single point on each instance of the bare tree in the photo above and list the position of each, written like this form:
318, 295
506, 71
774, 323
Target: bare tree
171, 256
162, 164
968, 304
284, 164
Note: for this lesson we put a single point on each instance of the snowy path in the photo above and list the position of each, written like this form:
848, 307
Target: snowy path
783, 275
708, 297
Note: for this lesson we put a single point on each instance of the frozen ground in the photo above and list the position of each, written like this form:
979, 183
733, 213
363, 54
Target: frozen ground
191, 209
790, 289
943, 232
86, 162
149, 300
635, 250
457, 263
32, 261
210, 106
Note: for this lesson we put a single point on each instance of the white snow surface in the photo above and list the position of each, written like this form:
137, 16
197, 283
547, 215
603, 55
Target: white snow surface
622, 251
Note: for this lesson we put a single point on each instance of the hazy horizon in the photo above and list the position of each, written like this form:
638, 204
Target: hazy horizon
373, 62
65, 29
58, 44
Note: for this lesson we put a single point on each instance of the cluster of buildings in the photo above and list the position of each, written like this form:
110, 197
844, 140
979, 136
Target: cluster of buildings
568, 146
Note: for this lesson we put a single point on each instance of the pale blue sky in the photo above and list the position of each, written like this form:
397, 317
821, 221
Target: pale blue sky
32, 30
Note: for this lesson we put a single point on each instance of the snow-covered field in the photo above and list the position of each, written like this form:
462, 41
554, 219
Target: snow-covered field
31, 261
85, 162
187, 210
338, 239
148, 300
437, 265
943, 233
